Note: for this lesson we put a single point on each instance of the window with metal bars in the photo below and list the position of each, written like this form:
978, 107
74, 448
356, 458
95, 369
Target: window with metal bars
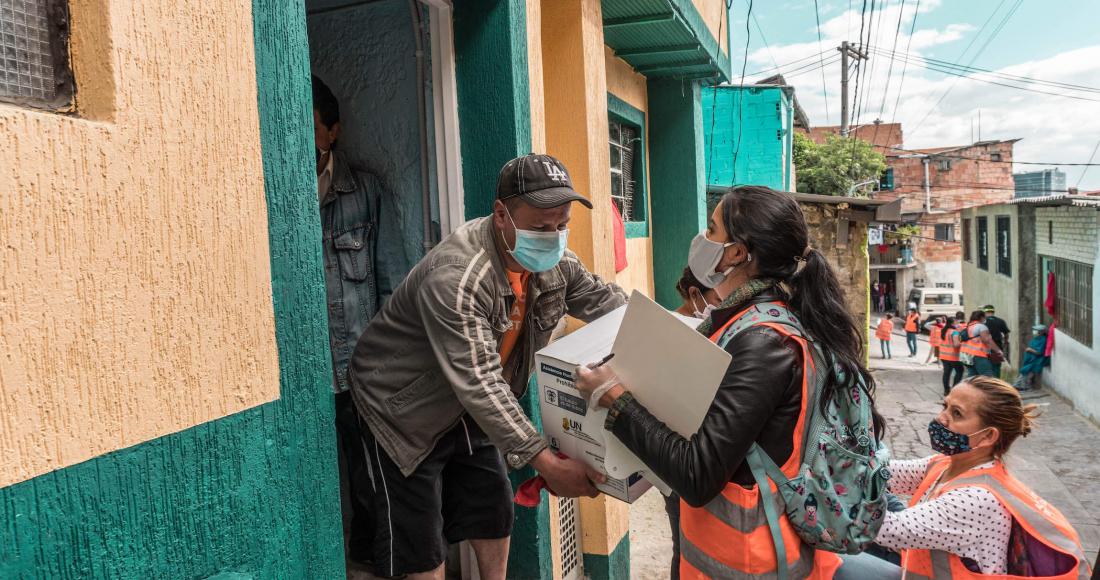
1004, 245
983, 243
34, 54
624, 183
966, 240
1072, 297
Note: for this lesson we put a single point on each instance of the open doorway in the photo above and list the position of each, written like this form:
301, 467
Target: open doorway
389, 181
888, 291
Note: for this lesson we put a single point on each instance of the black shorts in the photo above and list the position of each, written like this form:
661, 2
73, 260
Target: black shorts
459, 492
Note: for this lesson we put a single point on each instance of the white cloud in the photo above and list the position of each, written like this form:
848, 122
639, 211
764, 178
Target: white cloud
1052, 128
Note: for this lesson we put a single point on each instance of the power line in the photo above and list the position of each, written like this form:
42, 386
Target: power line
786, 64
947, 71
909, 42
741, 94
1004, 20
946, 156
917, 59
890, 71
764, 39
1087, 168
714, 94
821, 53
810, 67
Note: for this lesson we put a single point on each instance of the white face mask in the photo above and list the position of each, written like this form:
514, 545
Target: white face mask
708, 308
704, 257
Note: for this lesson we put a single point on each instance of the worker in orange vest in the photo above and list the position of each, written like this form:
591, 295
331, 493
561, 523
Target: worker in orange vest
950, 340
979, 352
934, 328
884, 333
757, 239
912, 327
969, 518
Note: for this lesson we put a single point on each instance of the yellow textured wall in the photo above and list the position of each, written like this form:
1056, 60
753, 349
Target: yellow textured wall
134, 270
715, 15
630, 86
575, 97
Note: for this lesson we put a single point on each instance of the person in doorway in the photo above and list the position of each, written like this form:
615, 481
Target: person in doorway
912, 328
981, 355
950, 342
884, 333
1035, 360
998, 328
755, 252
350, 202
437, 374
968, 517
935, 330
876, 293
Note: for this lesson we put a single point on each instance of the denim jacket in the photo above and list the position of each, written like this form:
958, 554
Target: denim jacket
356, 283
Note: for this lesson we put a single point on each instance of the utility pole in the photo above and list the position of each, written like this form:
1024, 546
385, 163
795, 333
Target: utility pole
846, 51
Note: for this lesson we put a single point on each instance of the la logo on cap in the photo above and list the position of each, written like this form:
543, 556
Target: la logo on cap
553, 171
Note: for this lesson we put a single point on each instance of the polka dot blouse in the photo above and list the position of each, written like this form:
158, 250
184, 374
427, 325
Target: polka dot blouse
969, 522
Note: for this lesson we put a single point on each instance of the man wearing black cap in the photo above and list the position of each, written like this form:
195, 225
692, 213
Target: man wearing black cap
436, 376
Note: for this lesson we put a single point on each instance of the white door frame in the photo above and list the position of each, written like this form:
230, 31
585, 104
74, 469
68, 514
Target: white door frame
448, 155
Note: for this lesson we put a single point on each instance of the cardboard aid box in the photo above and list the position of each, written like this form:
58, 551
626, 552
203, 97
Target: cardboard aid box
564, 410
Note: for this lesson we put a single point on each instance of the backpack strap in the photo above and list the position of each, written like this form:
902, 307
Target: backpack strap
761, 465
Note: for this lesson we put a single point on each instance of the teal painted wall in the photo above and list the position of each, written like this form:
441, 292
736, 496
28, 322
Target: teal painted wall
226, 497
494, 110
677, 181
614, 566
494, 97
765, 120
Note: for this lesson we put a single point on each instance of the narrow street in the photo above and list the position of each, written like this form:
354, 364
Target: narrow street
1052, 460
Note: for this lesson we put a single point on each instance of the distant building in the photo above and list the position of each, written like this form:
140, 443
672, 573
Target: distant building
1040, 183
1012, 251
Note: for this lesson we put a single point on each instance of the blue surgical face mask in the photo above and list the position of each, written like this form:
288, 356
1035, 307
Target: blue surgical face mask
948, 442
538, 251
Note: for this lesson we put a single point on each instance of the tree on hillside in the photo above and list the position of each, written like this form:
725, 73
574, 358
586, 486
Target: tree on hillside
834, 166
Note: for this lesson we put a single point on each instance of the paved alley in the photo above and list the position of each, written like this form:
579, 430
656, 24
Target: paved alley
1058, 460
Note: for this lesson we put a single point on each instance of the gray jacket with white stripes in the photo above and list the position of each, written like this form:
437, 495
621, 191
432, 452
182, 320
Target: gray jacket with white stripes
430, 355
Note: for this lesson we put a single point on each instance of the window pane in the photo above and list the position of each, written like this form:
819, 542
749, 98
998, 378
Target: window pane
983, 243
616, 157
34, 53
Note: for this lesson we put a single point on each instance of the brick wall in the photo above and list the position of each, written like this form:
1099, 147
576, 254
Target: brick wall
1075, 233
967, 183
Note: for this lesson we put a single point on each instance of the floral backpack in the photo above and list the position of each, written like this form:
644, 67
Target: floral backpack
837, 500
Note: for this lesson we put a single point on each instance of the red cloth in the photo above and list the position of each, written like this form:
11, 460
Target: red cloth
528, 493
1052, 288
620, 238
883, 248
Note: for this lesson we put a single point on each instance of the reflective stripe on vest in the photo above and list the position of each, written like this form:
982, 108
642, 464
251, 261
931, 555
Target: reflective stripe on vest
1034, 514
974, 346
948, 351
729, 537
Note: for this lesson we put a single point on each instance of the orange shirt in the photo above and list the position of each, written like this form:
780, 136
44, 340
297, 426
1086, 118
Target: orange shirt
884, 330
518, 281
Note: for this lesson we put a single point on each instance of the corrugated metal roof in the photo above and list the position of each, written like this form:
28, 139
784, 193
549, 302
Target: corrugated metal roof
663, 38
1059, 199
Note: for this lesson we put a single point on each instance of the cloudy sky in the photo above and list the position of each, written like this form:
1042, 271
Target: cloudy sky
1056, 41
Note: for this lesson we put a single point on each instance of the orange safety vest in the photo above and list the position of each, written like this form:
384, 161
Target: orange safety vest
730, 536
1046, 525
948, 351
934, 339
911, 321
974, 346
885, 330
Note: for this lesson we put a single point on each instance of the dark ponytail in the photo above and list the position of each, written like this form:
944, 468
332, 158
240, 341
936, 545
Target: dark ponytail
948, 326
774, 230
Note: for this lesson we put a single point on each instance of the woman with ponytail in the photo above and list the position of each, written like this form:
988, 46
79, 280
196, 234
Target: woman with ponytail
969, 518
782, 299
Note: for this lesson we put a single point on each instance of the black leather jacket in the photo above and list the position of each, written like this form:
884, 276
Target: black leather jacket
759, 400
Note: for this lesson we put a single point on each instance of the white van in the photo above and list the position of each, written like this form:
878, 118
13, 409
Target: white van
934, 302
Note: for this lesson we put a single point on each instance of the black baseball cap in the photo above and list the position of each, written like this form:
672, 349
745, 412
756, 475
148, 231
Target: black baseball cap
541, 180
